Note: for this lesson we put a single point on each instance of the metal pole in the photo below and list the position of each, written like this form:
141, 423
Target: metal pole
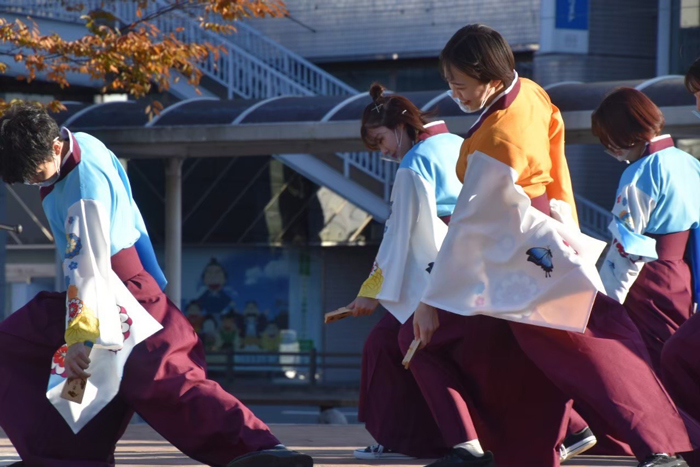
663, 38
173, 228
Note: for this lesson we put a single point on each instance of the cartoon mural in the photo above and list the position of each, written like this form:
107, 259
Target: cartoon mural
246, 299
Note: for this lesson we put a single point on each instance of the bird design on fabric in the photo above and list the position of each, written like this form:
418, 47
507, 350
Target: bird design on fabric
543, 258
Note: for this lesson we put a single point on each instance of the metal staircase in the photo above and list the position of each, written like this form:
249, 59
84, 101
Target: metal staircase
253, 66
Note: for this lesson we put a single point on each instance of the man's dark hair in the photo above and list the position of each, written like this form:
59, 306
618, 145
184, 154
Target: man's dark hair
480, 52
27, 133
692, 77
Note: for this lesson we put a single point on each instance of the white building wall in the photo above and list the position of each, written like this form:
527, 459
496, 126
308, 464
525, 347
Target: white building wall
346, 30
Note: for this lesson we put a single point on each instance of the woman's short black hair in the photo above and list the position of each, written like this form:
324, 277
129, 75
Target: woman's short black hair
27, 133
480, 52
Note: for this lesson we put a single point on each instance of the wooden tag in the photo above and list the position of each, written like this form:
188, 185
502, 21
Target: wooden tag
409, 353
336, 315
74, 390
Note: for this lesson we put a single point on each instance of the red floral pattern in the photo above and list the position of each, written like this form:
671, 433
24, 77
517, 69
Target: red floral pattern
58, 362
126, 322
75, 307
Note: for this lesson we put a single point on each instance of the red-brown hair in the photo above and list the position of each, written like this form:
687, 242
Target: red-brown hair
391, 111
625, 118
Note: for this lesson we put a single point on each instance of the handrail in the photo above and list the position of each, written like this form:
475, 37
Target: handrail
253, 66
594, 220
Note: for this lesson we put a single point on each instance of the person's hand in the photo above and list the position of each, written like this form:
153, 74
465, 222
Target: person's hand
363, 306
425, 323
77, 361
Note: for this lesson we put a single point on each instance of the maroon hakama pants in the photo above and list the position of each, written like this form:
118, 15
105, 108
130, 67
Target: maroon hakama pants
391, 403
518, 382
680, 368
661, 298
164, 381
658, 302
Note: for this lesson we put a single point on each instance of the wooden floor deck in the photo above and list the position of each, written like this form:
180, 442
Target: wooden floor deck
330, 445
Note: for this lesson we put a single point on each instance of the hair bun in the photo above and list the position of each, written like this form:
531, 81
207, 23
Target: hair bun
376, 91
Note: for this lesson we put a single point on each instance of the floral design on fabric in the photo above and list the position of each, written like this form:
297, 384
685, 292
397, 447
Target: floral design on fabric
621, 251
126, 322
58, 361
626, 219
73, 245
373, 285
478, 290
83, 324
75, 305
514, 289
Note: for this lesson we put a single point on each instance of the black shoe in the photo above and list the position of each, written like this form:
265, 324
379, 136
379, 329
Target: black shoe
662, 460
462, 457
275, 457
576, 444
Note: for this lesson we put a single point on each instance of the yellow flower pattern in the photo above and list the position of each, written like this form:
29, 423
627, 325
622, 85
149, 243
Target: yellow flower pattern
83, 325
373, 285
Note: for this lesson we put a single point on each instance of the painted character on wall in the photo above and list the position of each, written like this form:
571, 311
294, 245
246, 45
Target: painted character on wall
229, 332
254, 323
271, 338
217, 297
195, 316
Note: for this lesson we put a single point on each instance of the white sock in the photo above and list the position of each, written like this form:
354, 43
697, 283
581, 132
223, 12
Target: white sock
280, 446
473, 447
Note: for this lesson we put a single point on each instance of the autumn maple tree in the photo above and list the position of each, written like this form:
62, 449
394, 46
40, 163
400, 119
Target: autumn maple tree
129, 55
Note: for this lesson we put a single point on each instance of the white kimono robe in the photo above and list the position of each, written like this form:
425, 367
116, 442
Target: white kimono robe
504, 258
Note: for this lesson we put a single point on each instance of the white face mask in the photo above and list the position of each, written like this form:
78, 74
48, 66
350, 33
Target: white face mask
621, 155
462, 107
487, 95
696, 113
396, 159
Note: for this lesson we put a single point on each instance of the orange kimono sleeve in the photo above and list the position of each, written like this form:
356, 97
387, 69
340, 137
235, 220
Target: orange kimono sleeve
560, 187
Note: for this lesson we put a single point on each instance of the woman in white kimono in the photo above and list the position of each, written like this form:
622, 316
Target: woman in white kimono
422, 200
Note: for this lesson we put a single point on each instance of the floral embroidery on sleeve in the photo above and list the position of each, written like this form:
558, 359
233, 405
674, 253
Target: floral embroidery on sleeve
373, 285
73, 245
83, 324
58, 366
